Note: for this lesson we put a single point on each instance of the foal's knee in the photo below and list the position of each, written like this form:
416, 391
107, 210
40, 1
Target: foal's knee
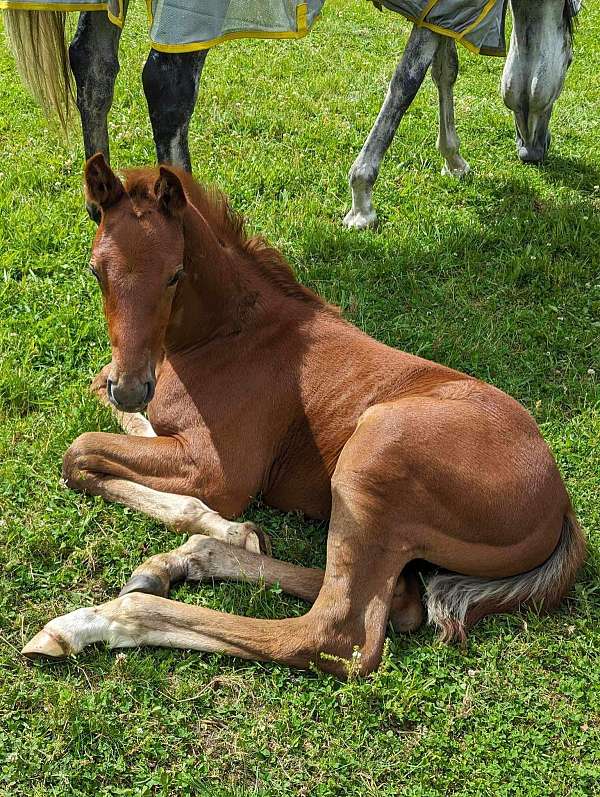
77, 459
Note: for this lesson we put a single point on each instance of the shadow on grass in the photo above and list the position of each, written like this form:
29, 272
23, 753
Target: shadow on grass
571, 172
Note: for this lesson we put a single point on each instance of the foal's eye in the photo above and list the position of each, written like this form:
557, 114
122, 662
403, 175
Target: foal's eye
175, 278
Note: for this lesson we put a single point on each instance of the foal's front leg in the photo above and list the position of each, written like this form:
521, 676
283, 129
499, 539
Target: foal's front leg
406, 82
343, 632
154, 475
201, 558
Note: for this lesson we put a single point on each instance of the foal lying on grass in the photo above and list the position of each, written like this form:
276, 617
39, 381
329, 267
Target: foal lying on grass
255, 385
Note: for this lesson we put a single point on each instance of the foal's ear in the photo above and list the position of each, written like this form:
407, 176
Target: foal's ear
102, 186
169, 193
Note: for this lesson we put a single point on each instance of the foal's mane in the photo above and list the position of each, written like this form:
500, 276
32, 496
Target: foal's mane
228, 227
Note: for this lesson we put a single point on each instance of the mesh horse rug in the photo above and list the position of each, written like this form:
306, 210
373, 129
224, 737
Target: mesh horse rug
186, 25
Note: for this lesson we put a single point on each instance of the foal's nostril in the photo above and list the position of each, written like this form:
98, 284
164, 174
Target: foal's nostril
150, 386
129, 395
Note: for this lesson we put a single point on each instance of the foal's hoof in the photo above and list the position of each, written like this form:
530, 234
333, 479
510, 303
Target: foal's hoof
256, 539
148, 583
45, 646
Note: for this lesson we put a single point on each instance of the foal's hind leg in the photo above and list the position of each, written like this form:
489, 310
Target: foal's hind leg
171, 83
201, 558
406, 82
343, 632
94, 62
444, 71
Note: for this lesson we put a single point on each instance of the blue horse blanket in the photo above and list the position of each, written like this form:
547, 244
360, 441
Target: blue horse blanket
184, 25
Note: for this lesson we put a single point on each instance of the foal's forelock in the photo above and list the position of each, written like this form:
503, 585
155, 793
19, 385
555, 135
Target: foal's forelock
210, 208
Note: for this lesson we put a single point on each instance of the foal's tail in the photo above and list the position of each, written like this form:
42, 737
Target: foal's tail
455, 603
38, 42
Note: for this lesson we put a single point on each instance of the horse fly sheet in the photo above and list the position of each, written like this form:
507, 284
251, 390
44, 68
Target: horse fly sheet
185, 25
180, 26
476, 24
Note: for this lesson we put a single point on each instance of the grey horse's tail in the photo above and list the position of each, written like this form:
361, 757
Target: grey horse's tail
38, 42
455, 603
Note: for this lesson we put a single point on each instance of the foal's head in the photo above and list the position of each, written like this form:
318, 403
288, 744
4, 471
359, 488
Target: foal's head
540, 53
137, 258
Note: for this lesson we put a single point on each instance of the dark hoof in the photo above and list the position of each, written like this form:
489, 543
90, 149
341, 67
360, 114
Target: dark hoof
263, 541
530, 155
145, 582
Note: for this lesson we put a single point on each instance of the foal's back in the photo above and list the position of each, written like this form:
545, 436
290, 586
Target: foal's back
336, 373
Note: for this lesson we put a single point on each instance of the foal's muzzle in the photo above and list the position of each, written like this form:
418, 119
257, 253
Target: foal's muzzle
130, 395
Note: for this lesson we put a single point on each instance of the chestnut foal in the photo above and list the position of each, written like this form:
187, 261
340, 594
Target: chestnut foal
261, 387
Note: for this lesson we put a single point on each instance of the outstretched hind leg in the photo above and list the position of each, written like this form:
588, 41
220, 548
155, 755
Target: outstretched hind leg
343, 632
444, 71
202, 558
402, 90
171, 82
93, 56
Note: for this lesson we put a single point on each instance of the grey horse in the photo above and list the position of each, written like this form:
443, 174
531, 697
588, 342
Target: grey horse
541, 51
539, 56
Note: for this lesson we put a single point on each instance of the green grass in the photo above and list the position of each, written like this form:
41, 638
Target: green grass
498, 276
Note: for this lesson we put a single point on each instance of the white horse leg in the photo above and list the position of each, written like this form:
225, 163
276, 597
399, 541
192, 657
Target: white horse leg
403, 88
541, 50
444, 71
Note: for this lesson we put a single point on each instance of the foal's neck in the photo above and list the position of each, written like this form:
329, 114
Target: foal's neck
223, 293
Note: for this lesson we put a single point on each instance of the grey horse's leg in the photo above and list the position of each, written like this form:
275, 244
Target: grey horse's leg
406, 82
171, 83
94, 62
444, 71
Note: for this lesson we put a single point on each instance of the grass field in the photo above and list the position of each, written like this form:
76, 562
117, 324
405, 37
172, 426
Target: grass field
498, 276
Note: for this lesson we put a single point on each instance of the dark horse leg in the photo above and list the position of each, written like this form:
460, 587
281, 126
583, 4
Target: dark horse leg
171, 83
94, 62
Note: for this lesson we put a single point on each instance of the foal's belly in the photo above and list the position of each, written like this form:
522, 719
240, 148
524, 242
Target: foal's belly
314, 500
